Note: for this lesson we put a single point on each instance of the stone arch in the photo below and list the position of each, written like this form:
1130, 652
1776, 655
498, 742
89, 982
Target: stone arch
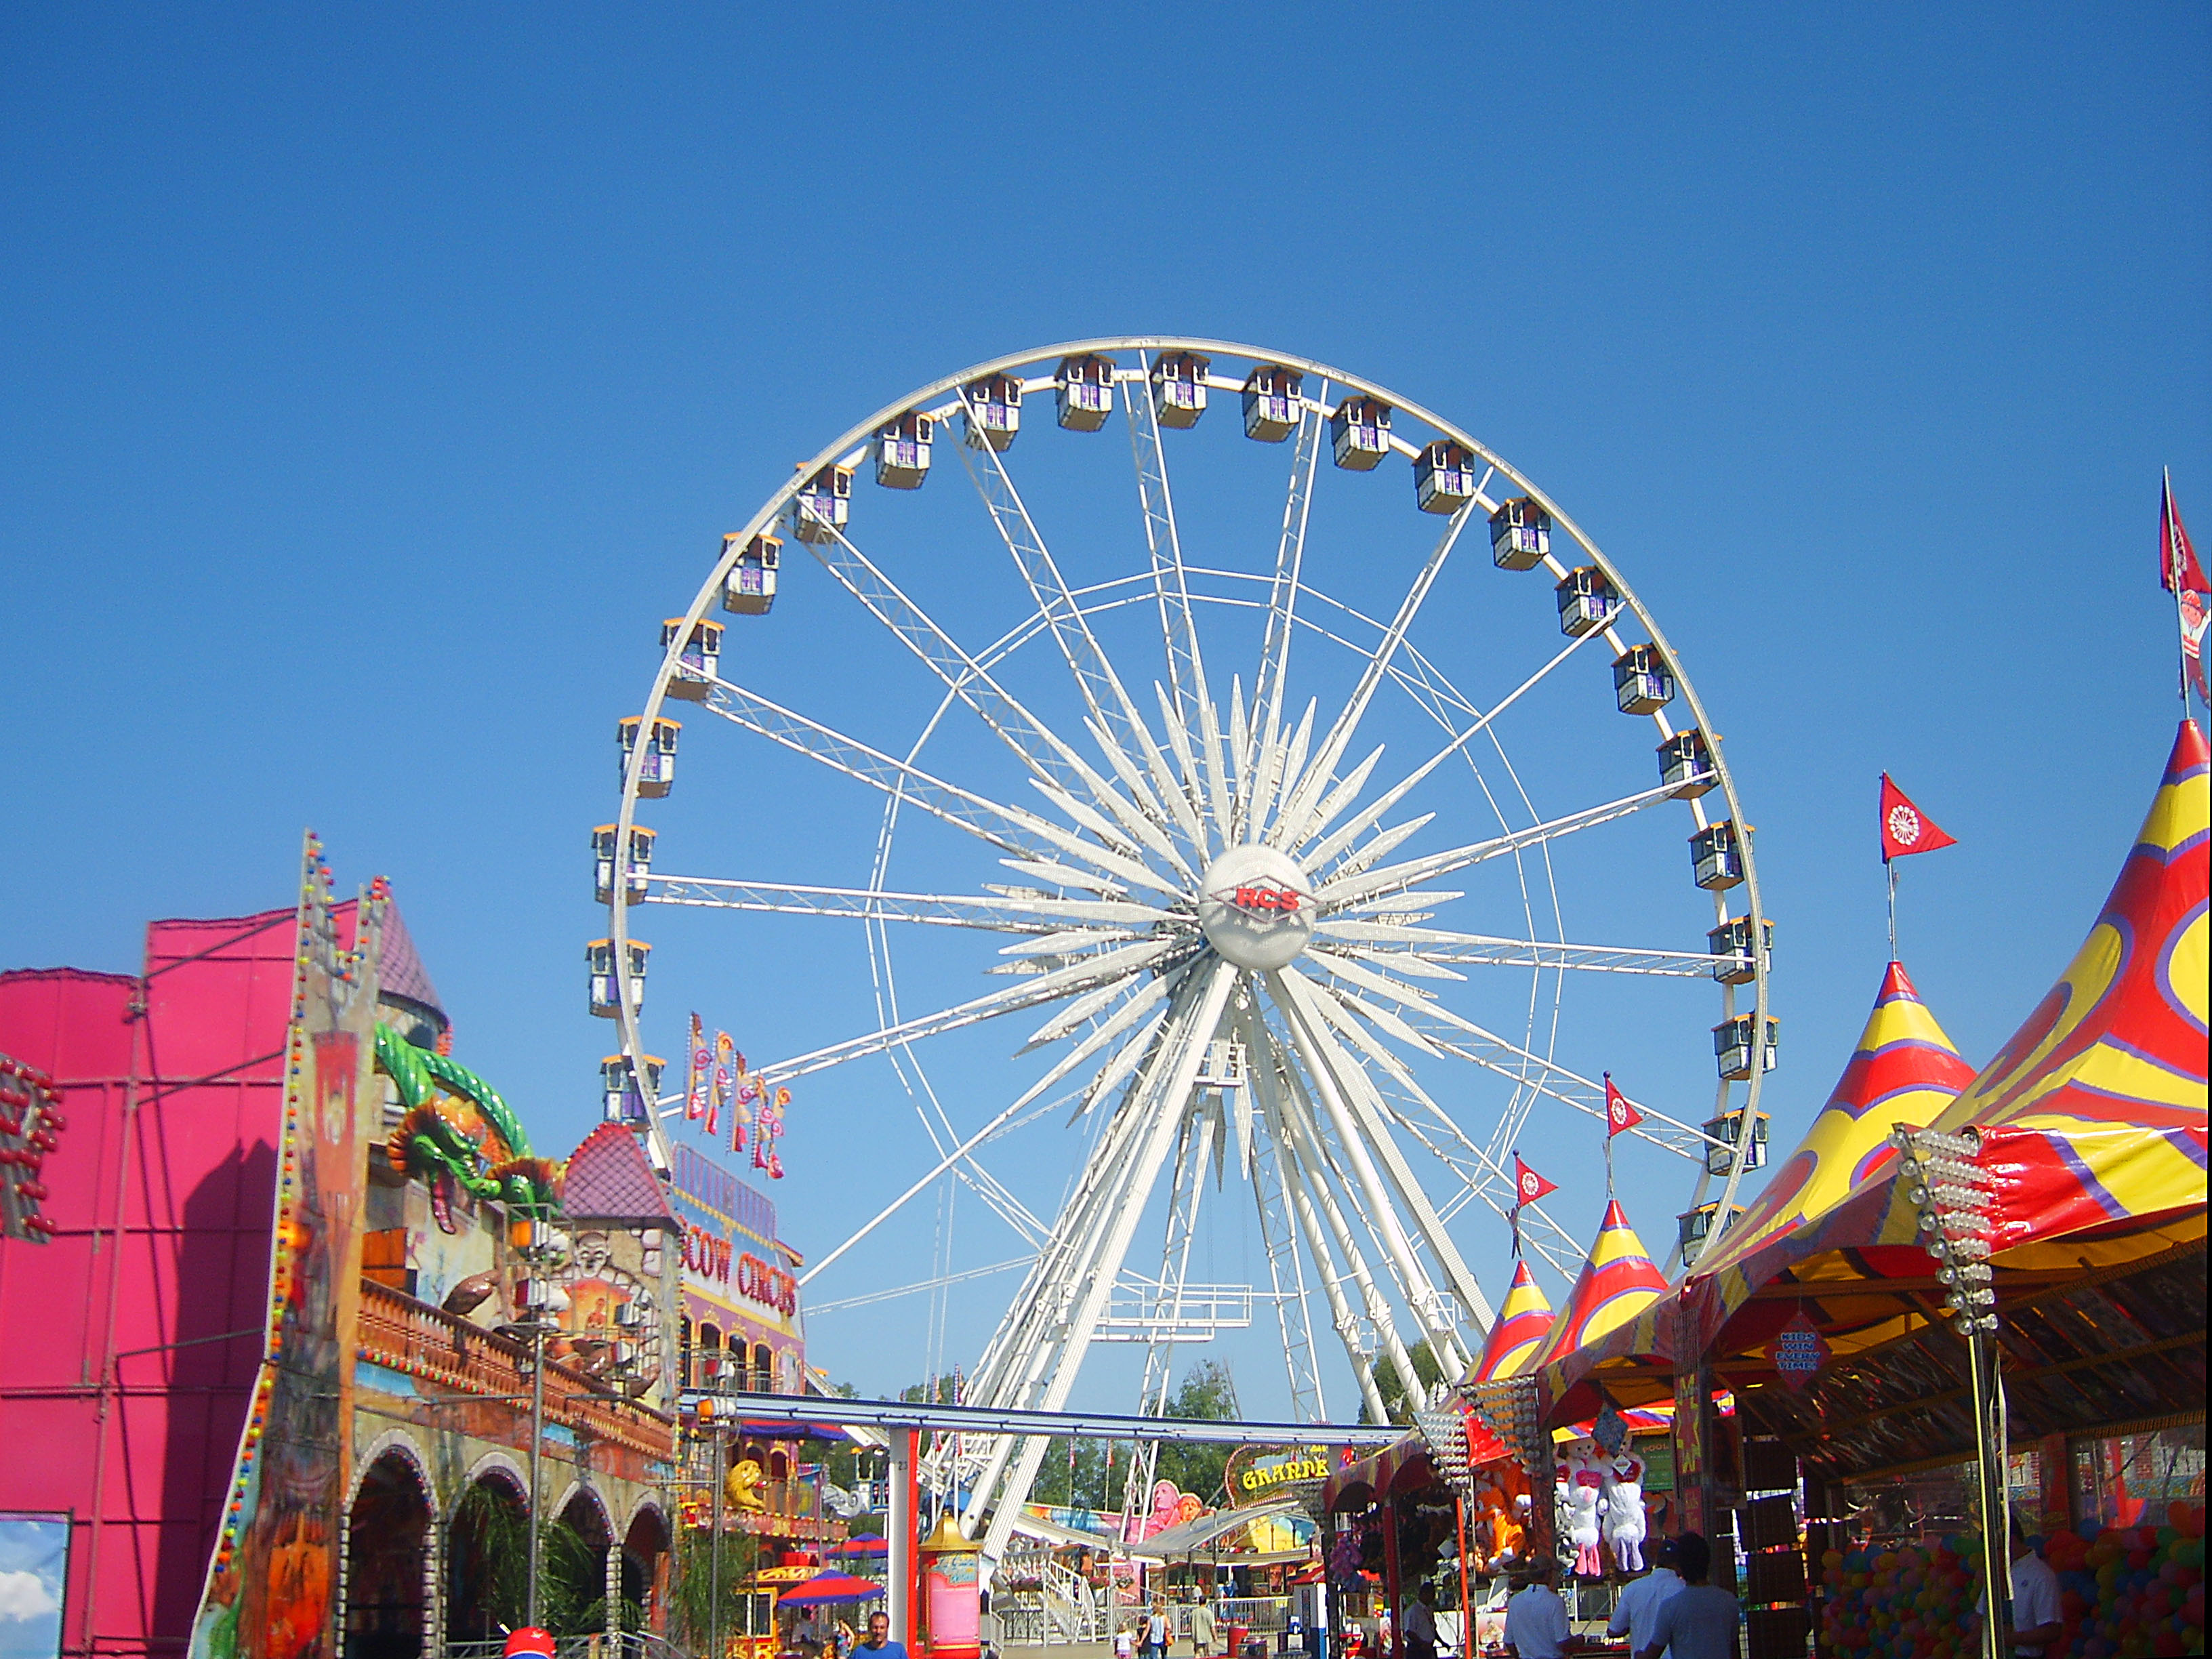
391, 1551
644, 1567
399, 1443
487, 1552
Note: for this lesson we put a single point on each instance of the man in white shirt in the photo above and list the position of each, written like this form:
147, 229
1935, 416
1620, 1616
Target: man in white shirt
1536, 1620
2037, 1622
1642, 1598
1421, 1625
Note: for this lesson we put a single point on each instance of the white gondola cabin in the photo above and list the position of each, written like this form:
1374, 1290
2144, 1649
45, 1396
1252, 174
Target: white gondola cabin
1729, 945
1587, 601
902, 451
1727, 1129
1084, 386
1686, 765
1717, 857
992, 407
1179, 388
1443, 476
656, 774
622, 1100
599, 955
698, 661
1272, 403
1519, 535
1699, 1228
603, 860
1359, 433
748, 589
1642, 683
823, 505
1732, 1042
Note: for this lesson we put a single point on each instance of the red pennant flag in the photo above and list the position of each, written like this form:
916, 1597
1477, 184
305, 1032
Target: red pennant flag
1527, 1185
1905, 827
1620, 1113
2178, 569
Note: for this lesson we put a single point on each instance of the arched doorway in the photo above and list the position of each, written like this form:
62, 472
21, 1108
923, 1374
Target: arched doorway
645, 1552
573, 1570
487, 1559
387, 1544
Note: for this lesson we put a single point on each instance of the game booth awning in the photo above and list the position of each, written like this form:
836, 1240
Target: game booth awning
2093, 1118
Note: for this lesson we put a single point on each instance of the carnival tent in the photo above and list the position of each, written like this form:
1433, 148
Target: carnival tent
1619, 1282
1522, 1324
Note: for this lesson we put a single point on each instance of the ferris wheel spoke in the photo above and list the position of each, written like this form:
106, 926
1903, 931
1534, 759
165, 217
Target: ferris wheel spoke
1432, 946
1121, 733
1372, 814
1048, 916
1343, 1086
1299, 816
1455, 1034
1193, 704
1282, 610
1335, 894
1076, 977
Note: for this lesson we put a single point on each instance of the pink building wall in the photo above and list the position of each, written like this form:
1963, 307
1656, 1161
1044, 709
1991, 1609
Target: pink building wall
128, 1344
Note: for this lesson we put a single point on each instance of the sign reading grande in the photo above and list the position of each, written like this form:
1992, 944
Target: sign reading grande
1258, 1473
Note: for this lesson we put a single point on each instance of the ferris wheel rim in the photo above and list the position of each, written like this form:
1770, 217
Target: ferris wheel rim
854, 439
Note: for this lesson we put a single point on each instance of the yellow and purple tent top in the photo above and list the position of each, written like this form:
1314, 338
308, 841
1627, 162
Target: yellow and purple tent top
1617, 1283
1522, 1324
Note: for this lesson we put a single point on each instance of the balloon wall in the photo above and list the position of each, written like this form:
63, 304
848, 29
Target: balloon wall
2125, 1592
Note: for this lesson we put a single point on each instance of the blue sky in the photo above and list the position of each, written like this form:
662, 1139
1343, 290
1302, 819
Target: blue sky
378, 379
34, 1563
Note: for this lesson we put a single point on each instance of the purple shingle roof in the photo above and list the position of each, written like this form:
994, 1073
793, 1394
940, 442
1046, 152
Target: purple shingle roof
610, 1179
399, 970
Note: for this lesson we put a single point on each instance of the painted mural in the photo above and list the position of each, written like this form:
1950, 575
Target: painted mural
270, 1586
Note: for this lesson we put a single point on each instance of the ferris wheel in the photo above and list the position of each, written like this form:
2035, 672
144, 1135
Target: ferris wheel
1299, 853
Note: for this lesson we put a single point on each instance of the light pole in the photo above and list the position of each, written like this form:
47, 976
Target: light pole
538, 1244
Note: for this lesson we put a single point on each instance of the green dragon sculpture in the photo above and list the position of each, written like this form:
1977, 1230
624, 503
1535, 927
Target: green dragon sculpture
436, 1141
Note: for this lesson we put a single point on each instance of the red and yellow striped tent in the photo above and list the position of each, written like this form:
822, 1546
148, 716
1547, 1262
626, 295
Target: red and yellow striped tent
1617, 1283
1522, 1324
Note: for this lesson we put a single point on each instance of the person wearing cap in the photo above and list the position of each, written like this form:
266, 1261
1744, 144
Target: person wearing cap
1535, 1618
1700, 1620
1641, 1600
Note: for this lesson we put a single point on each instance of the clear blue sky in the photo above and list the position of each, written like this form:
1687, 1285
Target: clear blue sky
377, 378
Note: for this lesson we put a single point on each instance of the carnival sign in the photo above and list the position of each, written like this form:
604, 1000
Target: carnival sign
1798, 1351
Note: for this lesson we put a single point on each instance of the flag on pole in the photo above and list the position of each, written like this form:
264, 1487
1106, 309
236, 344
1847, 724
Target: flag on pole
700, 1078
2183, 578
1527, 1185
1620, 1113
1905, 827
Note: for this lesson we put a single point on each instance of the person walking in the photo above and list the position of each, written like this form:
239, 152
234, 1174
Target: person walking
1156, 1633
1205, 1633
1701, 1621
1640, 1602
1536, 1619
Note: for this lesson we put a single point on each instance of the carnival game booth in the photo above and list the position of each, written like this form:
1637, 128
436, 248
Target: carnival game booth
1837, 1318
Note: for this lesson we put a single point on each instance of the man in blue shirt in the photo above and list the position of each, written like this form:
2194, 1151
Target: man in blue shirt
879, 1643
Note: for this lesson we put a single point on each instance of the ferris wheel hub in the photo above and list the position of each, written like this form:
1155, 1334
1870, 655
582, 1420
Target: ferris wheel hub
1255, 907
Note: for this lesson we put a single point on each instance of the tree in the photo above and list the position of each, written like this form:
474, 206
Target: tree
1396, 1406
1208, 1394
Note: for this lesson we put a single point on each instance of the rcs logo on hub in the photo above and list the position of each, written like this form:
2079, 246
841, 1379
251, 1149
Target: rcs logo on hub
1262, 899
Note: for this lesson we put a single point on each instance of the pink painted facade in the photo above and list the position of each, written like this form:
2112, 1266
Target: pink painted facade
129, 1343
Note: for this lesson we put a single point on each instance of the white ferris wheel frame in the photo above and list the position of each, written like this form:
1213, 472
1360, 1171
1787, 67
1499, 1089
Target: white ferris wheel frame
944, 398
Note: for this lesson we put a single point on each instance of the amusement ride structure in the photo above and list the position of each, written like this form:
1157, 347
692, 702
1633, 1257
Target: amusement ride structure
1206, 889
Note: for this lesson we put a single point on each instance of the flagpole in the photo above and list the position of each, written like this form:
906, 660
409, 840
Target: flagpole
1889, 869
